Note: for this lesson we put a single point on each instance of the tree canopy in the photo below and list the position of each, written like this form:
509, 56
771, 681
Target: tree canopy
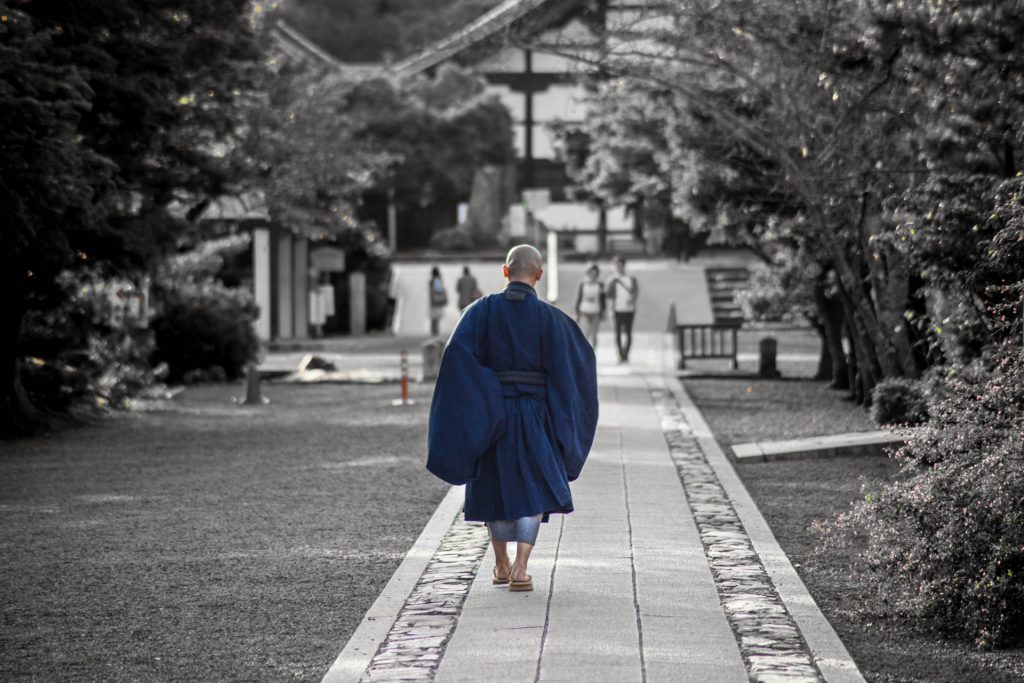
101, 103
325, 140
867, 137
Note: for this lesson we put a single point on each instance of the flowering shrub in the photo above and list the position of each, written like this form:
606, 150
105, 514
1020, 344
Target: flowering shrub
898, 401
945, 539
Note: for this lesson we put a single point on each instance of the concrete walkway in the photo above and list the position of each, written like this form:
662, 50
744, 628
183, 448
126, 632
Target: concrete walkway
665, 572
624, 592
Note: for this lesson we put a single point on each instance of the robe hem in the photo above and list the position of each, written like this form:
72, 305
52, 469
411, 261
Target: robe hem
548, 513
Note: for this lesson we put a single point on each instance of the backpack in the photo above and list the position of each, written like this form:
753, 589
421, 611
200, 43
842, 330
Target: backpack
438, 297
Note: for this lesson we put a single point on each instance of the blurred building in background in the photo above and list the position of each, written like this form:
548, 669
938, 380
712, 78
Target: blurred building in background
535, 56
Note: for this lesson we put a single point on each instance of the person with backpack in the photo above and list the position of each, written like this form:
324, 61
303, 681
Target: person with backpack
623, 291
438, 301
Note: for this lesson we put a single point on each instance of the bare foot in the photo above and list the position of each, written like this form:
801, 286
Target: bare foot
518, 574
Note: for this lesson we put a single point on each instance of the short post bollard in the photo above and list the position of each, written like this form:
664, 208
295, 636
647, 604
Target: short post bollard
253, 395
405, 400
768, 351
432, 351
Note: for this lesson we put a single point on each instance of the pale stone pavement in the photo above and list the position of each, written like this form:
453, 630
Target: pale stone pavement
665, 572
623, 591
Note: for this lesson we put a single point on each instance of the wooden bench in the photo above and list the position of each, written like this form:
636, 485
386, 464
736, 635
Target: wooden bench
709, 340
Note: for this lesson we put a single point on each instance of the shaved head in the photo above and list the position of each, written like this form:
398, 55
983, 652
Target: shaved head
524, 261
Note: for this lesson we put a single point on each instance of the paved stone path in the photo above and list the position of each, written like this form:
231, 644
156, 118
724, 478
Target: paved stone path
666, 572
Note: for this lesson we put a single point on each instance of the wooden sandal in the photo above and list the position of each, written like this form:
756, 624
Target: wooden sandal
497, 580
520, 585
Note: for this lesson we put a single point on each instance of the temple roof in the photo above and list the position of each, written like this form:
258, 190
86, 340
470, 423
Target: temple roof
506, 17
246, 206
489, 30
300, 48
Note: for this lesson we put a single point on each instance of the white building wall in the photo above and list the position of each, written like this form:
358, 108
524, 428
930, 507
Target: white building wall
519, 140
560, 103
514, 101
543, 142
508, 60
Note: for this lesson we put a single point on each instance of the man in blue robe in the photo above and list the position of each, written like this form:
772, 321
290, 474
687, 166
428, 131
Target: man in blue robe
514, 412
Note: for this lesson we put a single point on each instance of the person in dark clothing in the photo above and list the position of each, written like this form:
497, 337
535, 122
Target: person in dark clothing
514, 413
467, 288
622, 291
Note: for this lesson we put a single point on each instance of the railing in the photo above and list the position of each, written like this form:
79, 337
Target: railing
694, 342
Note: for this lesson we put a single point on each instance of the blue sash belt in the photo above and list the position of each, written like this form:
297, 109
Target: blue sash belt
538, 379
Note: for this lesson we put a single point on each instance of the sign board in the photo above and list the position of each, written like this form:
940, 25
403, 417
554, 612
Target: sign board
517, 221
327, 259
552, 269
536, 199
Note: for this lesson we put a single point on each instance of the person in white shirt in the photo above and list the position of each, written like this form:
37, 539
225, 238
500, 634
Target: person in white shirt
590, 303
622, 290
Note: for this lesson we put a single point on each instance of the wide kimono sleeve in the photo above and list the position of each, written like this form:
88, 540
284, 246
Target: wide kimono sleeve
467, 413
572, 390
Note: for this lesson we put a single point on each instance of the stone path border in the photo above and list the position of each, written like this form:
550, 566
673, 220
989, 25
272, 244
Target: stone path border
854, 443
382, 615
830, 655
765, 632
416, 642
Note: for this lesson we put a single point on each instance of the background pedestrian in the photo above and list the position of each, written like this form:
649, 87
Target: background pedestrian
468, 289
438, 301
623, 291
590, 303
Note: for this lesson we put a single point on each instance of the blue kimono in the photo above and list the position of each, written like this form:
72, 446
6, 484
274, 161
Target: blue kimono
515, 407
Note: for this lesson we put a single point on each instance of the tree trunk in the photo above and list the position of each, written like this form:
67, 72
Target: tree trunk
866, 374
18, 416
853, 385
852, 375
824, 370
858, 304
890, 282
830, 313
896, 302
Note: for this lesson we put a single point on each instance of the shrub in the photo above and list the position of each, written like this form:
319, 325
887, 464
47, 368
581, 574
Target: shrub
84, 350
204, 325
452, 239
898, 401
945, 541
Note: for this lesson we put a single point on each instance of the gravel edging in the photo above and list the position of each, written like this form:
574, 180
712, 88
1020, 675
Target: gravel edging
831, 656
372, 631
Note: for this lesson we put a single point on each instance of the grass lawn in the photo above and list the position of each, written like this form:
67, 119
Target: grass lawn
792, 495
744, 410
207, 541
